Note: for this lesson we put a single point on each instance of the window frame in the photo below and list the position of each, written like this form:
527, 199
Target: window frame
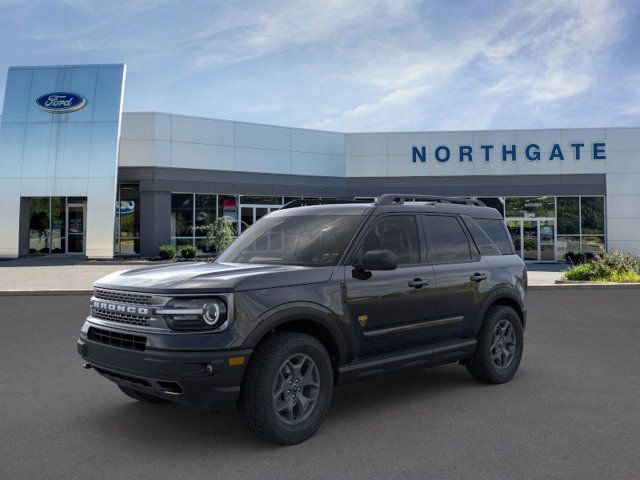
474, 253
354, 250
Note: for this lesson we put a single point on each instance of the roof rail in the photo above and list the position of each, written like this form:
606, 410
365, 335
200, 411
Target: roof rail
399, 198
306, 202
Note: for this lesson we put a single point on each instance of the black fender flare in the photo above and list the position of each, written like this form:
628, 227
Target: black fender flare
497, 295
311, 312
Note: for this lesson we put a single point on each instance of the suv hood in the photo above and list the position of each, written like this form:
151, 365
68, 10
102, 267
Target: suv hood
208, 277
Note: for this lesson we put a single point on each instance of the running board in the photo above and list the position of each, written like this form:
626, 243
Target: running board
423, 357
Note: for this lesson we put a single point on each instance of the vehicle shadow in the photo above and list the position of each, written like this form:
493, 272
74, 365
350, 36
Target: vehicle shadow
181, 428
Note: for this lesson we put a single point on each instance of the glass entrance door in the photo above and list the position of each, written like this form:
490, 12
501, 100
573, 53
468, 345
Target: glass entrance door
534, 239
515, 230
530, 240
75, 227
547, 235
250, 214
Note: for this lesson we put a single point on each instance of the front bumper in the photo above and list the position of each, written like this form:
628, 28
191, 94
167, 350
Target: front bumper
200, 379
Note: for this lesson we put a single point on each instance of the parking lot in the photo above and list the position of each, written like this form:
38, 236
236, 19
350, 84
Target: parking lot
573, 410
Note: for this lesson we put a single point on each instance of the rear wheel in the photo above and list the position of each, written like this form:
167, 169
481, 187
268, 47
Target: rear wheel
500, 344
141, 396
287, 388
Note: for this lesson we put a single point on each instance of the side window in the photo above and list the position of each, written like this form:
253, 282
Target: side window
484, 243
397, 233
497, 232
447, 239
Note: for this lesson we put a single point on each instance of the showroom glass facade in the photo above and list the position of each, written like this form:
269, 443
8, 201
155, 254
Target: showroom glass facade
127, 220
190, 212
546, 228
543, 228
57, 225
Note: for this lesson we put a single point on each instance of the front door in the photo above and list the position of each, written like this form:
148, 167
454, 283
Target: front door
389, 310
76, 220
534, 239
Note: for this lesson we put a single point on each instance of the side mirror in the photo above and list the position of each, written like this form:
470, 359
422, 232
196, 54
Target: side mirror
378, 260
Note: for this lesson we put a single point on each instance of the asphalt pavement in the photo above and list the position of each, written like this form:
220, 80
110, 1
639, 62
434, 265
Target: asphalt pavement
572, 412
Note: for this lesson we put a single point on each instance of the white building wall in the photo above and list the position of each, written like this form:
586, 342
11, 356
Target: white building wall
165, 140
73, 154
623, 189
390, 154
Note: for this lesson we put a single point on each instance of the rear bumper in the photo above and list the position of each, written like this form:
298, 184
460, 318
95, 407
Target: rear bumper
201, 379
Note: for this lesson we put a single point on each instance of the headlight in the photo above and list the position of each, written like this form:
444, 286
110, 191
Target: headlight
194, 313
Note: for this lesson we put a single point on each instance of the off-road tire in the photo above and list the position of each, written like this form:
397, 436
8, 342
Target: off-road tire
141, 396
482, 365
257, 402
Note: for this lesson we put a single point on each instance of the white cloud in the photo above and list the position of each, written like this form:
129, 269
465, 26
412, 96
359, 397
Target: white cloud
345, 64
543, 52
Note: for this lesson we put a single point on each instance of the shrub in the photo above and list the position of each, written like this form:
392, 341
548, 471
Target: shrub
167, 252
189, 251
615, 266
219, 234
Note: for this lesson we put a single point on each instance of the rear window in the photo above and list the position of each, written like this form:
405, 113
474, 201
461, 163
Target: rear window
497, 232
480, 237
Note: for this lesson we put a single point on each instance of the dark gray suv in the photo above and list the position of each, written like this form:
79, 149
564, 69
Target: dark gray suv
310, 297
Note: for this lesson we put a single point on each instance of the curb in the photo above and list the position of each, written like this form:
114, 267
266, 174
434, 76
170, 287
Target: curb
586, 286
23, 293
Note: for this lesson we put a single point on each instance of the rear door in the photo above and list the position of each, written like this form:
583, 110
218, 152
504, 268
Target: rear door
389, 310
462, 277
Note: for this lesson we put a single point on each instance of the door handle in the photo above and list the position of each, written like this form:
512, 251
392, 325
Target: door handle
418, 283
478, 277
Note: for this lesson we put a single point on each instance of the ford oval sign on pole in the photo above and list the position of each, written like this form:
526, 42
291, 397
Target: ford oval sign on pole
61, 102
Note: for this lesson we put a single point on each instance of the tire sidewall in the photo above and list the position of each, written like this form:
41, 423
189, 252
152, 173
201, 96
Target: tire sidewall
501, 375
303, 430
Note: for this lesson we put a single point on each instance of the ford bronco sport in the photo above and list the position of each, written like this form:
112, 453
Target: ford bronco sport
310, 297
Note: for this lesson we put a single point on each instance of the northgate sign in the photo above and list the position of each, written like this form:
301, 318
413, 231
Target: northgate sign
531, 152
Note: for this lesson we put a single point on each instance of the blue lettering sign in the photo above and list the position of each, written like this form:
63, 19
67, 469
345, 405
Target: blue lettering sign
556, 152
466, 151
532, 152
598, 151
536, 152
577, 147
511, 151
486, 149
447, 153
419, 154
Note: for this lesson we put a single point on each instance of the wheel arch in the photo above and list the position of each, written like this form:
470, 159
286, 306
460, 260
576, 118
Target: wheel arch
507, 298
313, 320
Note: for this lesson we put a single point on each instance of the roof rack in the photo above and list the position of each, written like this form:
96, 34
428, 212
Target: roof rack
306, 202
399, 199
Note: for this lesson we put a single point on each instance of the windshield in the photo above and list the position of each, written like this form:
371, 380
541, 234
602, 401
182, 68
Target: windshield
314, 240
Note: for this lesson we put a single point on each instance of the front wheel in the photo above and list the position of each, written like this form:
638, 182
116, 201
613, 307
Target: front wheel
500, 344
287, 388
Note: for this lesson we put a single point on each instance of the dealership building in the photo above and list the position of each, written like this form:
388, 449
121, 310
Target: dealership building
80, 176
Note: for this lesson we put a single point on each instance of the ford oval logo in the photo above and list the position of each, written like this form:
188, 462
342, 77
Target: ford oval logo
61, 102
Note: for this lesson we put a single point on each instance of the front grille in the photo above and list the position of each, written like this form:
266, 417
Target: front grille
126, 318
117, 339
123, 297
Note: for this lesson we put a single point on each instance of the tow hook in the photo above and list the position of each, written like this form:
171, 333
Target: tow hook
86, 366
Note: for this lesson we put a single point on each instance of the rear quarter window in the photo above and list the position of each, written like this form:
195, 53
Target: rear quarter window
497, 232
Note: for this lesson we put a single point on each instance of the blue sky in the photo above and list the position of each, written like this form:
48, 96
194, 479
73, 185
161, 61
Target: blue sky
351, 65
